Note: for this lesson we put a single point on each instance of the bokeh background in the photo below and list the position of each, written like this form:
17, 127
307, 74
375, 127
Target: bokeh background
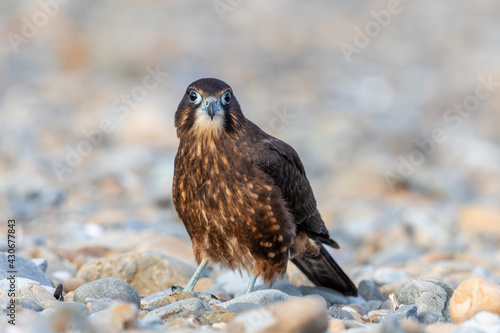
379, 98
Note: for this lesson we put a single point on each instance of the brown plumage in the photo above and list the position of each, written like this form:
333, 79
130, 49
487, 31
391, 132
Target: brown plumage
243, 195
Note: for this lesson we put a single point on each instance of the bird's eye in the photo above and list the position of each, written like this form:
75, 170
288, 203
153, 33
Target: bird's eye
194, 97
226, 98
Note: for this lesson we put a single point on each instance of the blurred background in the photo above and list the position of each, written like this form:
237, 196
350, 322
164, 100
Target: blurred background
392, 106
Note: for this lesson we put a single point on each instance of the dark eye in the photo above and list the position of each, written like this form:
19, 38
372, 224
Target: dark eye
194, 97
226, 98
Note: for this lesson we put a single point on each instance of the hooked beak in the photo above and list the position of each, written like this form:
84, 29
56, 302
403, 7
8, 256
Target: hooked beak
211, 106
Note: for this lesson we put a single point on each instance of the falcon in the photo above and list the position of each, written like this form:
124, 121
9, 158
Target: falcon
243, 195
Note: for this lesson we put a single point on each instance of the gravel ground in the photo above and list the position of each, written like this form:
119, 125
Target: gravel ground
390, 104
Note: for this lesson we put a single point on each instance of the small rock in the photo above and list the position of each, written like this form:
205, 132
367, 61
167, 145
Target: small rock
99, 304
113, 288
386, 275
330, 295
428, 317
426, 295
25, 268
306, 315
338, 313
147, 272
163, 299
66, 316
288, 289
372, 305
72, 307
369, 290
335, 326
27, 303
215, 317
407, 311
72, 284
5, 284
474, 295
356, 307
241, 307
218, 291
261, 297
183, 308
441, 328
376, 316
35, 292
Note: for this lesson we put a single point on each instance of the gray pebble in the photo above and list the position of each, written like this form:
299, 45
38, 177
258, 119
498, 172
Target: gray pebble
330, 295
391, 325
427, 317
101, 304
407, 311
426, 295
369, 290
72, 307
25, 268
288, 289
41, 263
27, 303
261, 297
183, 308
339, 313
372, 305
112, 288
241, 307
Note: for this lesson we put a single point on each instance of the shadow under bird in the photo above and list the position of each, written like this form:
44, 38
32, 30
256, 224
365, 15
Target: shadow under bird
243, 195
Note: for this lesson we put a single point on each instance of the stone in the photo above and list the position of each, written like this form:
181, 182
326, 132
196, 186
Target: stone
261, 297
163, 299
369, 291
441, 328
35, 292
147, 272
428, 317
112, 288
337, 312
241, 307
180, 309
5, 284
405, 312
72, 284
25, 268
72, 307
99, 304
285, 287
330, 295
472, 296
218, 291
426, 295
41, 263
215, 317
27, 303
307, 315
372, 305
66, 316
335, 326
386, 275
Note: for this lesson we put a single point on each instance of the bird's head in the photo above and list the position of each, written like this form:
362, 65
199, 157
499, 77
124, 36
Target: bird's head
208, 108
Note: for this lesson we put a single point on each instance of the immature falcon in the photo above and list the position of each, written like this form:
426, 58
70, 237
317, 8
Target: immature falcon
243, 195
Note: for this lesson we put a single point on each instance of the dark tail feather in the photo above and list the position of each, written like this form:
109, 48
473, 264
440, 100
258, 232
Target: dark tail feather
325, 272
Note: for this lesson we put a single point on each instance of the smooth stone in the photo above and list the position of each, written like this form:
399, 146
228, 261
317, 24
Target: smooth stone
386, 275
147, 272
372, 305
66, 316
355, 300
407, 311
72, 307
100, 304
214, 317
426, 295
474, 295
298, 315
20, 283
218, 291
330, 295
370, 292
27, 303
335, 326
340, 313
164, 300
285, 287
483, 321
25, 268
261, 297
182, 308
72, 284
428, 317
241, 307
35, 292
113, 288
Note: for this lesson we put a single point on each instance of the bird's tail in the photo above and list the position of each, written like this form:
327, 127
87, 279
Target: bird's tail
325, 272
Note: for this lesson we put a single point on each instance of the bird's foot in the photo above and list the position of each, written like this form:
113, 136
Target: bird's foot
201, 295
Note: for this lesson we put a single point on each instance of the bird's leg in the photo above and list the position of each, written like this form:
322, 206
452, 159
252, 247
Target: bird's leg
251, 284
189, 288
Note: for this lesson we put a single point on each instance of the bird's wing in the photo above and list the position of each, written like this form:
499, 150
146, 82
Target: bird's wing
282, 163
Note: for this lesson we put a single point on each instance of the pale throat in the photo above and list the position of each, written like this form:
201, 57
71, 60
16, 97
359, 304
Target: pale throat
204, 126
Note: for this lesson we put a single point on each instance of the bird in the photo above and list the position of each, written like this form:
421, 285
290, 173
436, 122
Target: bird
243, 195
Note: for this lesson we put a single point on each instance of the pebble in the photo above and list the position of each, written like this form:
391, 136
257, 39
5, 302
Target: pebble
182, 308
426, 295
405, 312
330, 295
147, 272
372, 305
117, 317
473, 295
369, 291
307, 315
218, 291
335, 326
112, 288
99, 304
163, 298
72, 284
483, 321
287, 288
25, 268
261, 297
36, 293
241, 307
428, 317
41, 263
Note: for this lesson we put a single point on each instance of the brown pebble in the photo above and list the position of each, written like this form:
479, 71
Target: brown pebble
336, 326
472, 296
203, 284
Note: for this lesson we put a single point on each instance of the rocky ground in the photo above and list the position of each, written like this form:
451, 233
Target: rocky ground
397, 127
